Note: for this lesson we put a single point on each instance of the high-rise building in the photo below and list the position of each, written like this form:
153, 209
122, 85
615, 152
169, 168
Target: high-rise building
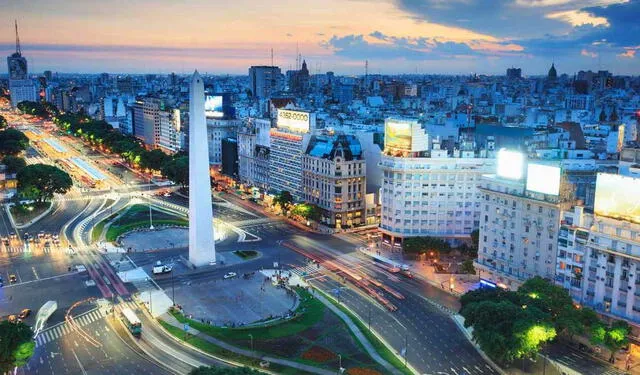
428, 190
599, 251
521, 206
334, 179
514, 73
21, 88
265, 81
289, 140
171, 136
254, 141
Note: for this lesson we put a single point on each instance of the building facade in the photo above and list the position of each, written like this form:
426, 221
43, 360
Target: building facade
334, 179
265, 81
217, 130
599, 251
171, 137
253, 153
289, 141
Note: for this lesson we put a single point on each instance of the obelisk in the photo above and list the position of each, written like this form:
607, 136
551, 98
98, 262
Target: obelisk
202, 249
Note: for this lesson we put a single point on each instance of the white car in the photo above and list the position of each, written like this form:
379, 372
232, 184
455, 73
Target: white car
230, 275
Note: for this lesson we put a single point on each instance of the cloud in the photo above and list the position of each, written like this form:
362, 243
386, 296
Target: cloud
586, 53
377, 45
550, 28
578, 18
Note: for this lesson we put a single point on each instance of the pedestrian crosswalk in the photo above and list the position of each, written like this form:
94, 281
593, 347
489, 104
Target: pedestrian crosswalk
22, 249
310, 270
55, 332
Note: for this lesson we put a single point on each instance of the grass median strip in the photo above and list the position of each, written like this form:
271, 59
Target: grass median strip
377, 344
217, 351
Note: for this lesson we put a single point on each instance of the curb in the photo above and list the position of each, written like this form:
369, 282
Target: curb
467, 334
32, 221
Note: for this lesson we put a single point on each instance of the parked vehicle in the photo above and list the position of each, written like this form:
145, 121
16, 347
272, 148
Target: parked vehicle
230, 275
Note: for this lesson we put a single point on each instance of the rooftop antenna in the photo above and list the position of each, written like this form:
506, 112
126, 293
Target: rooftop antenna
18, 51
297, 57
272, 56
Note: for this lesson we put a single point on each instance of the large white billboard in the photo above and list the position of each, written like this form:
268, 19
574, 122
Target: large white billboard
617, 197
510, 164
543, 179
296, 121
213, 106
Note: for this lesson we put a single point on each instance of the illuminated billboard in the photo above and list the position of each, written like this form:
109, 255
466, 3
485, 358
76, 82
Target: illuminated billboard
510, 164
213, 106
617, 197
543, 179
397, 134
296, 121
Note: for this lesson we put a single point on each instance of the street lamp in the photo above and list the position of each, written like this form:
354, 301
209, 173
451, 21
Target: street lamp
251, 338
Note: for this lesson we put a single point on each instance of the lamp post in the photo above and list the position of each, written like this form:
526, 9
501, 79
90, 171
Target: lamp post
251, 338
150, 214
339, 363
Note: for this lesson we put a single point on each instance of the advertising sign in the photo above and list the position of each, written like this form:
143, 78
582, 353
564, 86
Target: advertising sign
510, 164
296, 121
617, 197
213, 106
543, 179
397, 134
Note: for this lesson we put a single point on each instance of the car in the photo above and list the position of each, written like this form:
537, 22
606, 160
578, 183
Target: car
12, 235
6, 243
47, 245
24, 313
41, 234
12, 319
13, 278
55, 236
167, 194
230, 275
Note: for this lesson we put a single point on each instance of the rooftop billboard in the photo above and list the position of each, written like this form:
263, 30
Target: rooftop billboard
296, 121
398, 134
213, 106
543, 179
617, 197
510, 164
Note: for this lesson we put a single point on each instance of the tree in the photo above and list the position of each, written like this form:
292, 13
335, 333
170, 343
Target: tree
14, 163
154, 159
307, 211
12, 142
3, 122
177, 170
41, 181
616, 337
284, 200
16, 345
202, 370
467, 267
506, 331
475, 238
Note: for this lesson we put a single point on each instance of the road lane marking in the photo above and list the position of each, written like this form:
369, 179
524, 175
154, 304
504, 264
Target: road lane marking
35, 273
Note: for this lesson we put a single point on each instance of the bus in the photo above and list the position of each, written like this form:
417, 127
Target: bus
132, 322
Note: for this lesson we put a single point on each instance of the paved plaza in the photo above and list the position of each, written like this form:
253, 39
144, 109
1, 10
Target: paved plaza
236, 301
167, 238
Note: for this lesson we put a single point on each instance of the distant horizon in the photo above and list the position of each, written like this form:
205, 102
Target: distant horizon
410, 36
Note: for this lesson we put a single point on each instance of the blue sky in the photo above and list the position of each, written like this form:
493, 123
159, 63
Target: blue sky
395, 36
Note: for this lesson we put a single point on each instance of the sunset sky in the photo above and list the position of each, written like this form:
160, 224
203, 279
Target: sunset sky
396, 36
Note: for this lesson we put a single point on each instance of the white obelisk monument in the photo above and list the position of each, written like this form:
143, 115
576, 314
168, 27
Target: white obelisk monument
202, 249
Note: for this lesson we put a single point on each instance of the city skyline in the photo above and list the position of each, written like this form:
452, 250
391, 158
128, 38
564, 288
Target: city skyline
402, 36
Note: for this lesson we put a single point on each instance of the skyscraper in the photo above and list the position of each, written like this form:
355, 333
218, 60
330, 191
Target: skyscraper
201, 241
20, 86
265, 81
